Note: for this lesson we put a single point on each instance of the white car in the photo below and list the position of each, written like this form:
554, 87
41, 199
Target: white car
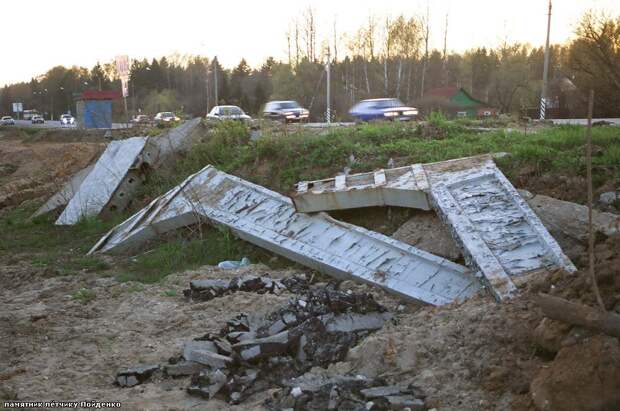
7, 121
165, 117
220, 113
67, 120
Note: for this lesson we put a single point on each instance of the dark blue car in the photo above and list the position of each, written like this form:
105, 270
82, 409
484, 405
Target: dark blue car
382, 109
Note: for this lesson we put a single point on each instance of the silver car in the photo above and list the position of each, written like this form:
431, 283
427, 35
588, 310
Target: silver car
220, 113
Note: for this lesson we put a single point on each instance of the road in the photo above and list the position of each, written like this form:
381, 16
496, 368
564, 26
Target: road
56, 124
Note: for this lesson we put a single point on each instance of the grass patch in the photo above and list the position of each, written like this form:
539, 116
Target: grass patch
186, 252
170, 293
279, 161
84, 295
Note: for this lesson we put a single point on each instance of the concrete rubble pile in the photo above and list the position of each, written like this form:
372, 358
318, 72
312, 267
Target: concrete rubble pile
251, 354
205, 290
269, 220
109, 184
498, 233
313, 391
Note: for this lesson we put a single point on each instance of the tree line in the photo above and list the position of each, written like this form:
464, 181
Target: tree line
386, 57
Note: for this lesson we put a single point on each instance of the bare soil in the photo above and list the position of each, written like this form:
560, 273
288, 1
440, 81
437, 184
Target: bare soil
35, 169
476, 355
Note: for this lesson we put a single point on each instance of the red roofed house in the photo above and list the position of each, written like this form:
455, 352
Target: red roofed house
455, 101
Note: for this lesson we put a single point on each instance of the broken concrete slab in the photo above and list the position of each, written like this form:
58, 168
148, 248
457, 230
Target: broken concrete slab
136, 375
400, 187
269, 220
161, 148
66, 193
206, 353
496, 230
108, 183
182, 369
316, 391
205, 290
122, 178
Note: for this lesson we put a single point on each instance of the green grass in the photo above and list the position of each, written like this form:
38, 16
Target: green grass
84, 295
185, 252
279, 161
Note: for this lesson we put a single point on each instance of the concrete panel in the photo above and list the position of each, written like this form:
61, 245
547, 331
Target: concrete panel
497, 231
99, 186
400, 187
269, 220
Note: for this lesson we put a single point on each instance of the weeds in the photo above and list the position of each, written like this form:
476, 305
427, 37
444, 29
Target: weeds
84, 295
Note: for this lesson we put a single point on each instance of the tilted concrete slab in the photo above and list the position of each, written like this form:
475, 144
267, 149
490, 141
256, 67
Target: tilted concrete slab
157, 150
400, 187
66, 193
162, 147
269, 220
111, 172
497, 231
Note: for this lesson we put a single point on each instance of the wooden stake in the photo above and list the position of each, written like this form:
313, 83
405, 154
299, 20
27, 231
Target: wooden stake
597, 293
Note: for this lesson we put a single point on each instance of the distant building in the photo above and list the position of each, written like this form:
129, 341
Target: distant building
456, 102
94, 108
563, 101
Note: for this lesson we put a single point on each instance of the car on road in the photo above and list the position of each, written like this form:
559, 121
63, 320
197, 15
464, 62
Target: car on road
165, 117
37, 119
67, 120
221, 113
7, 121
286, 111
141, 119
382, 109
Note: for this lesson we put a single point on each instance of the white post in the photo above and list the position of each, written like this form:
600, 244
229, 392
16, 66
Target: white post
215, 79
543, 97
328, 113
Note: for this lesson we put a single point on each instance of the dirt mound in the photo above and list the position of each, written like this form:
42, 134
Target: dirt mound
584, 376
32, 170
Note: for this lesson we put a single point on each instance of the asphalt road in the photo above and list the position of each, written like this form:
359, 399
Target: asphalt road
56, 124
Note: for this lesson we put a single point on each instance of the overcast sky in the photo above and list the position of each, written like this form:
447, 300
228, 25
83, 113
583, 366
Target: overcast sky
40, 34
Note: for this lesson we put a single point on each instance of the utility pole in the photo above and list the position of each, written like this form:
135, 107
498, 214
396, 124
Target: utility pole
328, 113
215, 79
445, 53
207, 86
543, 97
425, 50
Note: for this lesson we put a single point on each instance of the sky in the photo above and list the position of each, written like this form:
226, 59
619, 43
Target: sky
41, 34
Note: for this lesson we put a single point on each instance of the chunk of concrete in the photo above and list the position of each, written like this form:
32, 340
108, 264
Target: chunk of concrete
183, 368
136, 375
257, 349
205, 352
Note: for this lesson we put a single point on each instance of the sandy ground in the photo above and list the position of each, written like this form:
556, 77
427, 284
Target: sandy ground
57, 348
